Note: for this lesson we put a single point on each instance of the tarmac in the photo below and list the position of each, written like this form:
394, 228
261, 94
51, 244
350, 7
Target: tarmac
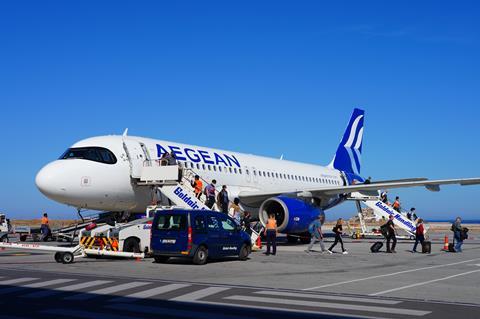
292, 284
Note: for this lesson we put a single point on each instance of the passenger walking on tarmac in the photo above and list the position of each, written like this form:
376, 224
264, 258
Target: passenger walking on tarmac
210, 194
458, 236
391, 236
197, 186
235, 211
271, 234
396, 204
315, 230
338, 236
222, 199
419, 235
45, 227
384, 197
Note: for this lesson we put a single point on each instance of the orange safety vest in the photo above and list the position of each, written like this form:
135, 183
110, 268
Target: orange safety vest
271, 224
198, 186
396, 204
44, 220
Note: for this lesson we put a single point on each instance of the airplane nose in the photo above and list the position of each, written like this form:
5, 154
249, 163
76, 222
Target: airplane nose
49, 181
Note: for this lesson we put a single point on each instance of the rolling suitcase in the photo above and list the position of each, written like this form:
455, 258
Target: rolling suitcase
376, 247
451, 248
426, 247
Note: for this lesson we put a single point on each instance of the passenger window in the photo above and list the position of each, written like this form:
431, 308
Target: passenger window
240, 170
200, 224
230, 169
247, 172
214, 168
171, 222
235, 170
228, 224
209, 168
219, 168
203, 166
255, 173
198, 166
213, 223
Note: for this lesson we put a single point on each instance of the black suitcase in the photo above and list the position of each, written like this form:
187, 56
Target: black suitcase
451, 248
426, 247
376, 247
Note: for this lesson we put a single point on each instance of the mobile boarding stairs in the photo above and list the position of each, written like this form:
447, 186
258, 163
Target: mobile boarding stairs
381, 211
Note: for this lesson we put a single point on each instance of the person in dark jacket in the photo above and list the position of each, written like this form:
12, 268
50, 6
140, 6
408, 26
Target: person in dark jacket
457, 234
419, 235
222, 199
391, 235
338, 237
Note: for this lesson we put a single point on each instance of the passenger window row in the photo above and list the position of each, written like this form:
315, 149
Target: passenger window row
234, 170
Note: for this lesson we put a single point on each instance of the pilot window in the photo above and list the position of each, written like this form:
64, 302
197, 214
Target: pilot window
96, 154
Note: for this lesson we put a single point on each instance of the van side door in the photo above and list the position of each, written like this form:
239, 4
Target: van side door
231, 238
214, 235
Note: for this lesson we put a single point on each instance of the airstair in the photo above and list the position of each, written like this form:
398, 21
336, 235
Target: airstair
173, 182
382, 211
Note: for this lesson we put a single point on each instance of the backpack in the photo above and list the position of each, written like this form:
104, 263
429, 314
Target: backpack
384, 230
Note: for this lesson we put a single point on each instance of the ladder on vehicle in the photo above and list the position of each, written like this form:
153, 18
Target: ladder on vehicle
173, 182
383, 211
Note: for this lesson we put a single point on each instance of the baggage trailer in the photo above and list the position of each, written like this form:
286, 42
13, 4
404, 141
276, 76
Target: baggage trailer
67, 255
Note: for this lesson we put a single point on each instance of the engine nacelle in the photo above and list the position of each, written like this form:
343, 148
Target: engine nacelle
293, 215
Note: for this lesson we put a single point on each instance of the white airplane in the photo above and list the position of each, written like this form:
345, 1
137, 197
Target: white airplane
99, 173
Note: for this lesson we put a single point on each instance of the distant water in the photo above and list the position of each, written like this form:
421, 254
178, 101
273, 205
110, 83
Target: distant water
464, 221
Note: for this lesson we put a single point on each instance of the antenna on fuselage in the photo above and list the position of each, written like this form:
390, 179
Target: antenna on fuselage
281, 157
125, 132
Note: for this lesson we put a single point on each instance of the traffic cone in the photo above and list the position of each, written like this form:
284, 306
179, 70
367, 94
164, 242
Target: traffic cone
259, 242
445, 243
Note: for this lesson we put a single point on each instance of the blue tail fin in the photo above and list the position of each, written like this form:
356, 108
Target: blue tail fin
349, 153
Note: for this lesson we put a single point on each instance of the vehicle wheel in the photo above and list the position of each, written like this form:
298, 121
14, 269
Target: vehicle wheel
201, 255
58, 257
412, 237
67, 258
4, 239
354, 236
23, 237
292, 239
244, 252
131, 245
161, 259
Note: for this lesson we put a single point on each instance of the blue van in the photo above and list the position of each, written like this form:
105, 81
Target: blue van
197, 234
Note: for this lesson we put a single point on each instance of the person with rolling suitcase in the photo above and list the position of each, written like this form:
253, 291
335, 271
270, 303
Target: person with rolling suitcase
419, 235
391, 235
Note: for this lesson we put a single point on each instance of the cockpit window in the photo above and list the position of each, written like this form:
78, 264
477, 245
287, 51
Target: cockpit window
96, 154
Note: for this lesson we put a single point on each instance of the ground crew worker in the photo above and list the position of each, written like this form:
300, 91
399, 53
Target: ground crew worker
197, 186
210, 194
45, 227
396, 204
457, 234
419, 235
391, 236
222, 200
271, 234
338, 236
315, 229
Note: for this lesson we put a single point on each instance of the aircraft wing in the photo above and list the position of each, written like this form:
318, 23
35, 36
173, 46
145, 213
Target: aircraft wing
431, 185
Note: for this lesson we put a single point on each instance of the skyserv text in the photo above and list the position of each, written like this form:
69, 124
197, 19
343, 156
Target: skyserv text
397, 216
198, 156
192, 202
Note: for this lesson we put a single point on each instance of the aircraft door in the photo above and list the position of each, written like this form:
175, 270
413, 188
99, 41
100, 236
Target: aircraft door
136, 157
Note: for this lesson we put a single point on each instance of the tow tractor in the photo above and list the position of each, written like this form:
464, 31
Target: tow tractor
5, 228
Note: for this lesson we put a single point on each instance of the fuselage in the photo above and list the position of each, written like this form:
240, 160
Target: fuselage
98, 173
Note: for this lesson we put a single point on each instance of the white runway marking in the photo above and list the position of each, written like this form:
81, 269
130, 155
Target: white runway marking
75, 287
199, 294
389, 274
325, 297
423, 283
369, 308
17, 280
107, 291
47, 283
149, 293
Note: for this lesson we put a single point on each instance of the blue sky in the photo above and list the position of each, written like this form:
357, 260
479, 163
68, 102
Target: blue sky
269, 77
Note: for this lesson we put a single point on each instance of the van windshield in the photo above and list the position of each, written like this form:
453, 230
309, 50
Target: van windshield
171, 222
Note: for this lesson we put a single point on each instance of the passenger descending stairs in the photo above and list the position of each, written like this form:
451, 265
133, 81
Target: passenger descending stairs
382, 210
166, 178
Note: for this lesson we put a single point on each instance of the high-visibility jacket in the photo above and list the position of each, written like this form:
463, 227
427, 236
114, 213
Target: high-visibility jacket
198, 186
272, 224
396, 204
44, 220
